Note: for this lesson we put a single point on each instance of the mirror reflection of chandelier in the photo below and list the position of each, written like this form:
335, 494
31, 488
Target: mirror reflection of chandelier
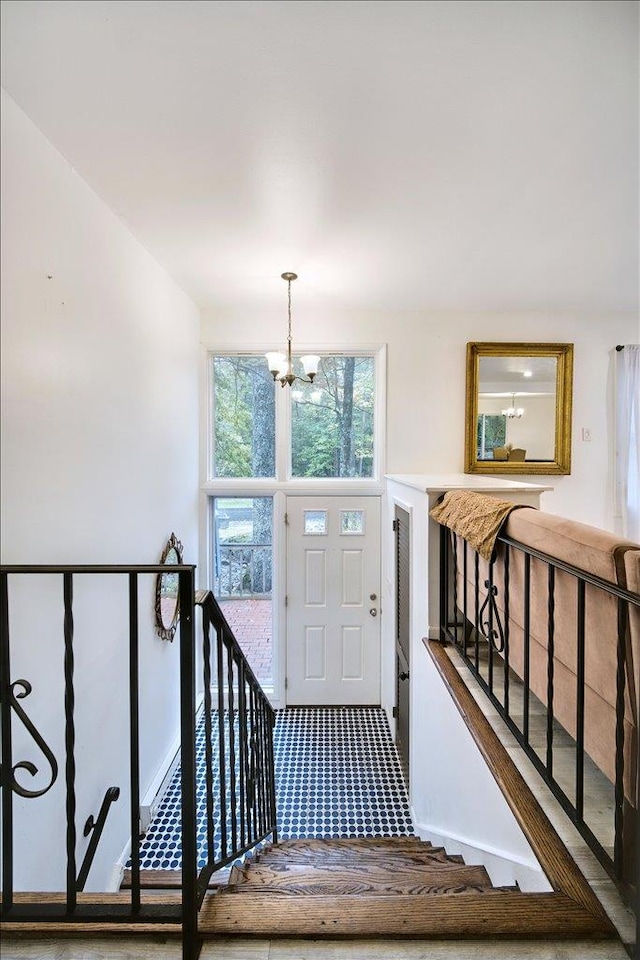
513, 412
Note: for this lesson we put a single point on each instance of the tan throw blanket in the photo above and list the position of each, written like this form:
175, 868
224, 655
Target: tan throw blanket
477, 517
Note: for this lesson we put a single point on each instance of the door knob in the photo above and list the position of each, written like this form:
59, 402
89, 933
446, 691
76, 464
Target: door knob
404, 675
373, 612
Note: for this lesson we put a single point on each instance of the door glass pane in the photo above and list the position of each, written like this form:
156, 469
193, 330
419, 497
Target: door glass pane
352, 522
242, 574
332, 419
315, 522
243, 417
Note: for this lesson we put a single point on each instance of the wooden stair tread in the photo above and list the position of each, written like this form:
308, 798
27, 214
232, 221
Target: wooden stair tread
493, 913
393, 857
383, 888
372, 875
357, 888
170, 879
354, 843
120, 898
354, 846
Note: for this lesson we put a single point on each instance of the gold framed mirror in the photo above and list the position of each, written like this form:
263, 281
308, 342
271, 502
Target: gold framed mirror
167, 609
518, 408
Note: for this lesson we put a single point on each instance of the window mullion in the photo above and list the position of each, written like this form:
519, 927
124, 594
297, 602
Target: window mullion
283, 433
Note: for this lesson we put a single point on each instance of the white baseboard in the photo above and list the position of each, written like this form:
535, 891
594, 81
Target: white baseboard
117, 874
503, 867
152, 799
158, 786
391, 722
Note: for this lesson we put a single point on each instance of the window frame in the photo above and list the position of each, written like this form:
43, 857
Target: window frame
210, 476
283, 481
283, 485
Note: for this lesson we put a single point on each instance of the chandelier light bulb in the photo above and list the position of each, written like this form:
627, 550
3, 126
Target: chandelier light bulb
276, 363
310, 364
513, 412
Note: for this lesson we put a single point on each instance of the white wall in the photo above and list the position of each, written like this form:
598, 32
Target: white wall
425, 434
456, 800
426, 380
99, 465
444, 758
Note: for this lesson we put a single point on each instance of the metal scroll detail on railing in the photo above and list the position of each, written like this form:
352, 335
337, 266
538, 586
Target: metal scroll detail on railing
65, 905
518, 669
239, 774
28, 765
488, 625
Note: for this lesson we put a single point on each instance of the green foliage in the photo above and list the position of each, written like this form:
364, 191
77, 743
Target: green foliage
332, 420
243, 417
495, 434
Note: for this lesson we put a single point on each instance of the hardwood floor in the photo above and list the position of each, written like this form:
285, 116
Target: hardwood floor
133, 949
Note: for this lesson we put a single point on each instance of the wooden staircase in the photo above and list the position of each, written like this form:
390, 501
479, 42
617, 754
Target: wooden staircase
391, 887
399, 887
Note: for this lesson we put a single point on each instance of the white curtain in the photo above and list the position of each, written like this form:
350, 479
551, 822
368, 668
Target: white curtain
628, 439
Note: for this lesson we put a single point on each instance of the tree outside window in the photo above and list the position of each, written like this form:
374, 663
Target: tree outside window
332, 420
491, 432
243, 417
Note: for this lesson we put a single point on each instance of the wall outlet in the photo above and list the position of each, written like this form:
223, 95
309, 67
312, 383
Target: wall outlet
586, 433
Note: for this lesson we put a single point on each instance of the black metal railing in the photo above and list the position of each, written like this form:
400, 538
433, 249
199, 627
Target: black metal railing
243, 570
239, 755
531, 628
238, 746
94, 829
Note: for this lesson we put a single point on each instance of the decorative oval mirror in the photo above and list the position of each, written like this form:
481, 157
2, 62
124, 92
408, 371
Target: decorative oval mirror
518, 413
167, 610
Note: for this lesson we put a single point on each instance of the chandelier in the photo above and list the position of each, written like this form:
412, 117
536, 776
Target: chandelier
280, 364
513, 412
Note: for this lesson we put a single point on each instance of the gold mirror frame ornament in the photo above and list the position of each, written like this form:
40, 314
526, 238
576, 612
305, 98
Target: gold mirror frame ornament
561, 463
164, 631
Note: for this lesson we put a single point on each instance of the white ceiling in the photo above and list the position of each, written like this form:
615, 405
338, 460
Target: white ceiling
397, 155
501, 376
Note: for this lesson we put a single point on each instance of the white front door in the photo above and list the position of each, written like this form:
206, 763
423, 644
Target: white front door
333, 609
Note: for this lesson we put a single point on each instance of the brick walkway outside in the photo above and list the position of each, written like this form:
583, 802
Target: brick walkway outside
250, 620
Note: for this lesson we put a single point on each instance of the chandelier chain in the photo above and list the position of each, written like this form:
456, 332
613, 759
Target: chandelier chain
281, 366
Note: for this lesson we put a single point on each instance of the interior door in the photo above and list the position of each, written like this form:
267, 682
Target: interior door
333, 589
403, 635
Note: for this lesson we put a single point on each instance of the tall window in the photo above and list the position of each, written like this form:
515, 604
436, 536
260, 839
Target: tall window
242, 574
491, 432
332, 426
332, 421
243, 417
